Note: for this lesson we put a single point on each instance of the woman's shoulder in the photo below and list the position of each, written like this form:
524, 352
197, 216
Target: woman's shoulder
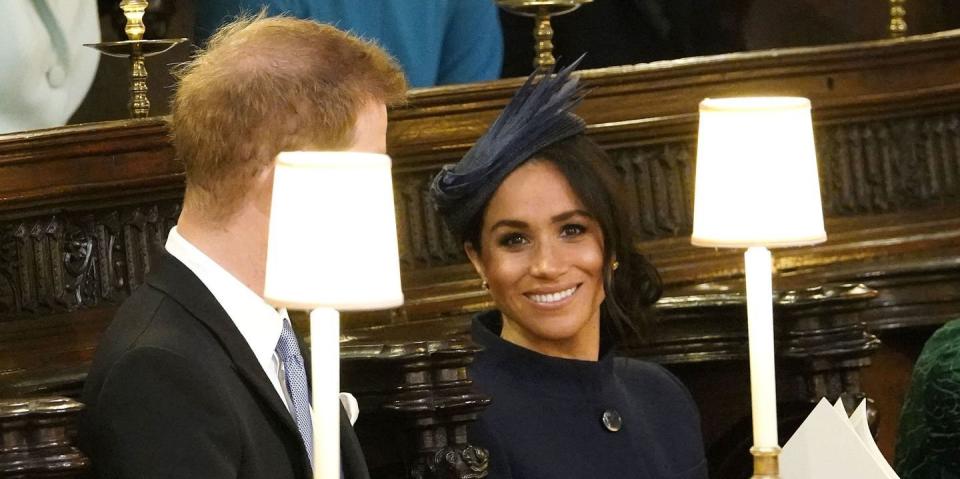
644, 371
651, 379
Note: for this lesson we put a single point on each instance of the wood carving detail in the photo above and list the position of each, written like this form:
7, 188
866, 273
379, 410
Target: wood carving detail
64, 262
888, 166
424, 240
658, 187
460, 462
9, 298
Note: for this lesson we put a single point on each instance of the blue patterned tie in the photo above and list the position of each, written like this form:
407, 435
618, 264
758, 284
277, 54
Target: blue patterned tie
289, 351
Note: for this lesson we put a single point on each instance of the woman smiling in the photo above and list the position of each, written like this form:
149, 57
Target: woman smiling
535, 204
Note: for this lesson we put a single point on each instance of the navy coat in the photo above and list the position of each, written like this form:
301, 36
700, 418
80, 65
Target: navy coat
546, 420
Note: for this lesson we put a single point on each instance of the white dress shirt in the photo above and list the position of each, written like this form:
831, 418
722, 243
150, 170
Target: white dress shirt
258, 322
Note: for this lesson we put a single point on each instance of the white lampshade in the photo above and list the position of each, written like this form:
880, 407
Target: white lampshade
333, 233
756, 179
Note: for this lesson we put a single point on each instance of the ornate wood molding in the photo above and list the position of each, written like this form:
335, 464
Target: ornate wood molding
418, 399
36, 439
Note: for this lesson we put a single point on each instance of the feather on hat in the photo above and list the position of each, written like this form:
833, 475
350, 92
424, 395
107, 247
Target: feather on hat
538, 115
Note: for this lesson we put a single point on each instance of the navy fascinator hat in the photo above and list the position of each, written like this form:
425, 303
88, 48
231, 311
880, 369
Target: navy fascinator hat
537, 116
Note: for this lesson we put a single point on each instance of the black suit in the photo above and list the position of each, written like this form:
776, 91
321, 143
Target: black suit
176, 391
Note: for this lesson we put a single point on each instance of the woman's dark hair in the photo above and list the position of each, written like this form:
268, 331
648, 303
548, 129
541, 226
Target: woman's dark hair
635, 284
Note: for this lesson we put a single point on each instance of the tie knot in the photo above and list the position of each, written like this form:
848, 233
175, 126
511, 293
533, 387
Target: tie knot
287, 347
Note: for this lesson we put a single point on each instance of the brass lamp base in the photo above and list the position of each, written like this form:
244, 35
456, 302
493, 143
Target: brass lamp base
541, 11
531, 8
766, 462
136, 49
128, 48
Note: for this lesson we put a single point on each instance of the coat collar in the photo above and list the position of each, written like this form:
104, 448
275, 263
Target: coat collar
549, 375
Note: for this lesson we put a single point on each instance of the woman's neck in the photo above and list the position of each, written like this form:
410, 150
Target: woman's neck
583, 346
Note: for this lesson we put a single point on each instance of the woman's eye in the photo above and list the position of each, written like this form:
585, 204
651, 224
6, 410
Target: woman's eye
573, 230
512, 239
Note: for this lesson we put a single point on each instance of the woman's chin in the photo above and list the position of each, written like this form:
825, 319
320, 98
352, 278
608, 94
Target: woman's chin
559, 330
560, 325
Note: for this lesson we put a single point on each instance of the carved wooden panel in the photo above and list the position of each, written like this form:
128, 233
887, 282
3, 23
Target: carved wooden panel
61, 263
892, 165
424, 240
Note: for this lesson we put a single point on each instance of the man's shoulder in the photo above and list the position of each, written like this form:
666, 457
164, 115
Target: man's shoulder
151, 319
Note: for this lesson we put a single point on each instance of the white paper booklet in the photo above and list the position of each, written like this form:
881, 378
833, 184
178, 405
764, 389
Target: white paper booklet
829, 445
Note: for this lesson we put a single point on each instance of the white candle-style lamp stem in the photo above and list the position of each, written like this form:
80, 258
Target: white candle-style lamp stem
763, 380
757, 187
332, 247
325, 380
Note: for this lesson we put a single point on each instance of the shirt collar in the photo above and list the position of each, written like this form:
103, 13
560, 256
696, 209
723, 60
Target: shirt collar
258, 322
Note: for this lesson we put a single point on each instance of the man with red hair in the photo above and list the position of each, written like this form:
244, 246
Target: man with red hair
198, 376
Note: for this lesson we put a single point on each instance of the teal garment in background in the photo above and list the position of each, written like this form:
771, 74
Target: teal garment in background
928, 443
437, 42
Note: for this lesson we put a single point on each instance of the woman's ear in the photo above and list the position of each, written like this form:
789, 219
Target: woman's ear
474, 257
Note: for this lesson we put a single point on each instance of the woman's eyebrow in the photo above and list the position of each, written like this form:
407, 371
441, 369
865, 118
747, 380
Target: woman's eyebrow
570, 214
509, 224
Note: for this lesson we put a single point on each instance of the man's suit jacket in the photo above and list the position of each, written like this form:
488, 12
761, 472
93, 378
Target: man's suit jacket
175, 391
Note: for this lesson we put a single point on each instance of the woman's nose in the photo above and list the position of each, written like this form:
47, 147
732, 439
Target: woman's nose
547, 261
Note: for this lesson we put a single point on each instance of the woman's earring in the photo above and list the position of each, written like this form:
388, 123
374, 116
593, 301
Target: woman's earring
485, 284
615, 265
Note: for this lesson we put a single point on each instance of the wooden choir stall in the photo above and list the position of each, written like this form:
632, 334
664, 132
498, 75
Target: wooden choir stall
84, 208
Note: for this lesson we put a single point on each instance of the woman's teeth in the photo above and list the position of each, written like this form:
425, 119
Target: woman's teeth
552, 297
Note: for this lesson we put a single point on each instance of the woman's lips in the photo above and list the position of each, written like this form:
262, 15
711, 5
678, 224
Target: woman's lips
552, 298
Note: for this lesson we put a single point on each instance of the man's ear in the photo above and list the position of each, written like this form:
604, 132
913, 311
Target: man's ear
262, 188
474, 257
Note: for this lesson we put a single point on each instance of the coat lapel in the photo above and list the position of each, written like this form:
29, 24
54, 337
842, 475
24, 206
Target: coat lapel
175, 279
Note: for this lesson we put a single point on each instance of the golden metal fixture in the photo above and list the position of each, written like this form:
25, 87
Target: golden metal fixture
766, 462
136, 49
898, 14
541, 11
133, 10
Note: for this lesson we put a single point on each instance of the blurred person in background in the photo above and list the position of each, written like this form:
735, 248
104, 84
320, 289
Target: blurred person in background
437, 42
45, 71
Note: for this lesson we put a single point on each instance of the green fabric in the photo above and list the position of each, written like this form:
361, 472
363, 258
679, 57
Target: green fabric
928, 443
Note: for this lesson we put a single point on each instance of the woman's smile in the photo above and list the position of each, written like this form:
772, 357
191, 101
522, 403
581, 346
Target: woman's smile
554, 299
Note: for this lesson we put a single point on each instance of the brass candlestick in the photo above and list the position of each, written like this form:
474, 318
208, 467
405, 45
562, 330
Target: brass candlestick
898, 14
766, 462
541, 11
136, 49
